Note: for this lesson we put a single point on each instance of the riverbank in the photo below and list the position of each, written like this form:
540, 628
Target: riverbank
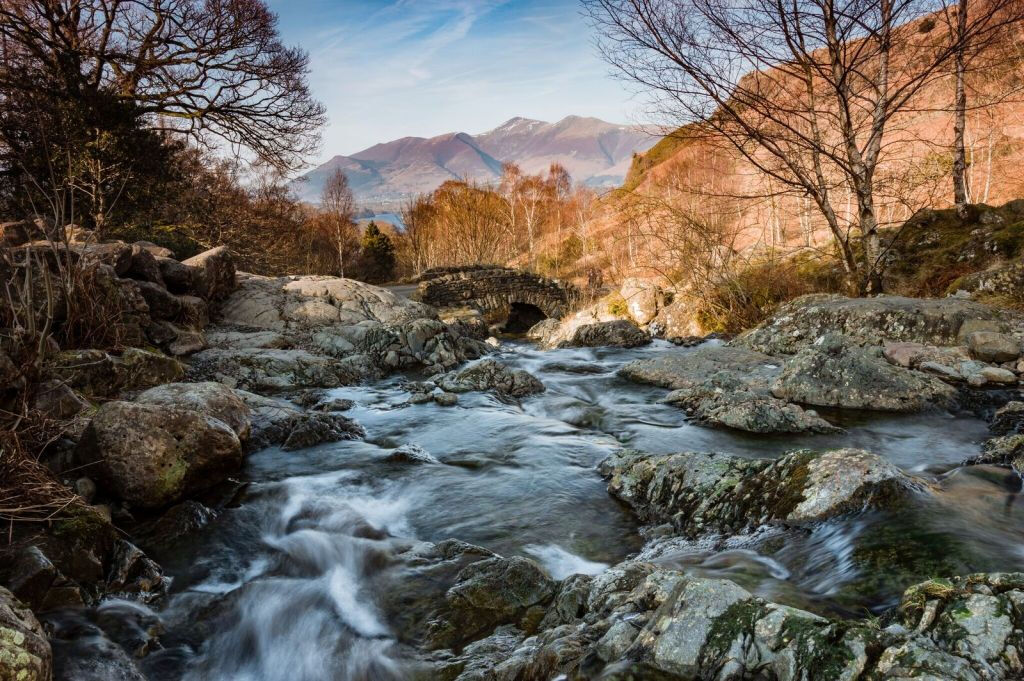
335, 482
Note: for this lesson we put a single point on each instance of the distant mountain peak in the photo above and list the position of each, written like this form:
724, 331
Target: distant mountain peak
593, 151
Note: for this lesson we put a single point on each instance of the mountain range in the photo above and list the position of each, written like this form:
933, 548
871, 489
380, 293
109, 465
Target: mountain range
594, 152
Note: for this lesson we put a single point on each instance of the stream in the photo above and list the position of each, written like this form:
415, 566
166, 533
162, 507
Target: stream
310, 552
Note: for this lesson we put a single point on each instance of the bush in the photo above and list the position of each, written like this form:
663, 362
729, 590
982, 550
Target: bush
175, 237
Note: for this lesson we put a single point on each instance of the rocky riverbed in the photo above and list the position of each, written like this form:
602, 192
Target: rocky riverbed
334, 482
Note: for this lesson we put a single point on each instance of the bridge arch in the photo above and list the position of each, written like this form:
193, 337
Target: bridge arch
500, 293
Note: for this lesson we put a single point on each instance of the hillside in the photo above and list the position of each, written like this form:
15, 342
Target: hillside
594, 152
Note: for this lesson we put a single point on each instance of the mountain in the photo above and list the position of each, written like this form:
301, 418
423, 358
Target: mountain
593, 151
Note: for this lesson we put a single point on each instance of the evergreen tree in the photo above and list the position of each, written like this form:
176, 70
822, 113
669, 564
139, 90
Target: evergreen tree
378, 255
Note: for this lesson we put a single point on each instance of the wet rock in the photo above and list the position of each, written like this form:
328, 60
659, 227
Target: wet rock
318, 428
868, 321
491, 374
486, 594
272, 419
411, 454
213, 273
446, 399
153, 455
134, 575
619, 333
834, 372
746, 410
178, 521
333, 404
1008, 419
1007, 450
694, 369
271, 370
990, 346
701, 493
25, 653
209, 398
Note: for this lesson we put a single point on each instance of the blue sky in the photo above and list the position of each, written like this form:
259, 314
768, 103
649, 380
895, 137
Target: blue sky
424, 67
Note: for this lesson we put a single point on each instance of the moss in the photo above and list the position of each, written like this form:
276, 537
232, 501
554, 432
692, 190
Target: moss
820, 650
617, 306
736, 622
80, 523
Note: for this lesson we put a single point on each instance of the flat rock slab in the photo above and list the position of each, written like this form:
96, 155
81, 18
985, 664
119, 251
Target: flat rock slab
676, 369
873, 321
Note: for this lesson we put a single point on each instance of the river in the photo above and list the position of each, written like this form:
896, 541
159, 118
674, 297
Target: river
301, 570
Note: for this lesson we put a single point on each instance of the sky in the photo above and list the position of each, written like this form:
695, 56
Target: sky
402, 68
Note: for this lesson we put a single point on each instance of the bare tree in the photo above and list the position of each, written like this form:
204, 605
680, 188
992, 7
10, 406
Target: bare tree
337, 202
212, 69
804, 91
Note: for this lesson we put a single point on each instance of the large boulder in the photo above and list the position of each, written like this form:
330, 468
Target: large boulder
151, 455
705, 492
293, 303
643, 299
213, 273
870, 321
267, 369
207, 397
991, 346
101, 374
492, 375
834, 372
620, 333
25, 653
720, 385
486, 594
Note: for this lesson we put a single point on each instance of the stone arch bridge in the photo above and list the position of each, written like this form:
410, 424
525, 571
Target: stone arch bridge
502, 294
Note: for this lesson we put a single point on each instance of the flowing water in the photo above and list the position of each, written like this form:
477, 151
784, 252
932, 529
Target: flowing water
297, 578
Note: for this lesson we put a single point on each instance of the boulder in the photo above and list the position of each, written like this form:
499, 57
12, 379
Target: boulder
991, 346
914, 355
209, 398
151, 455
486, 594
491, 375
1008, 419
643, 299
834, 372
162, 303
144, 266
679, 369
619, 333
234, 340
869, 321
176, 276
193, 311
116, 254
15, 233
25, 653
145, 369
92, 372
54, 400
718, 405
213, 273
701, 493
313, 429
1007, 450
271, 370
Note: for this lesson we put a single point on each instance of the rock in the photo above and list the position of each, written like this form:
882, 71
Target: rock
241, 339
162, 303
545, 332
213, 273
1008, 419
144, 369
186, 342
990, 346
144, 266
133, 574
490, 374
209, 398
1007, 450
92, 372
291, 303
999, 375
85, 488
446, 399
116, 254
836, 373
271, 370
153, 249
620, 333
318, 428
746, 410
868, 321
176, 276
25, 653
914, 355
333, 404
54, 400
486, 594
153, 455
643, 299
272, 419
693, 369
193, 311
700, 493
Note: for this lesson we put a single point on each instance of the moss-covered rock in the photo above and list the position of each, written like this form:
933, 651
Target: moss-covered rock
24, 649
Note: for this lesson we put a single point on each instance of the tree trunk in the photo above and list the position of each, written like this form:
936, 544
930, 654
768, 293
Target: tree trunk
960, 116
